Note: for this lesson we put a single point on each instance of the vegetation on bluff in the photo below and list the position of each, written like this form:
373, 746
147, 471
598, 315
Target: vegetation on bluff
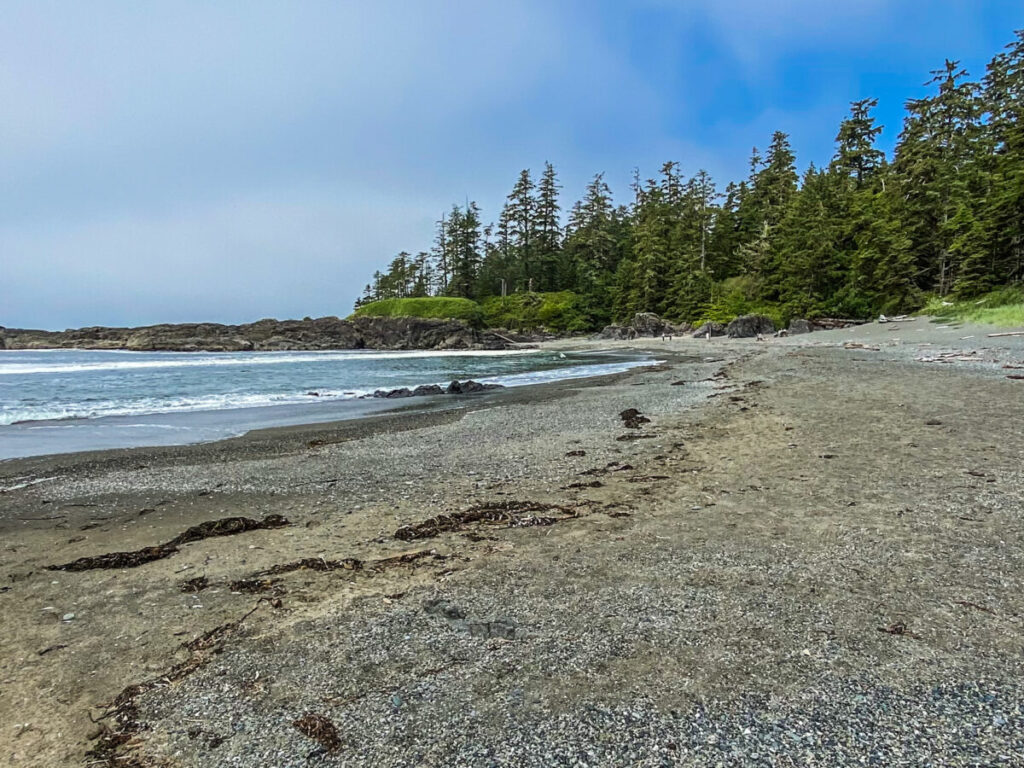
943, 217
445, 307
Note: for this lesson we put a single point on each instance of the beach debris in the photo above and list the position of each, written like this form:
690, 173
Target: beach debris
68, 617
227, 526
1014, 376
611, 466
319, 729
1008, 333
898, 628
591, 484
122, 712
634, 436
198, 584
508, 514
933, 423
51, 649
255, 586
858, 345
647, 478
312, 564
576, 453
633, 419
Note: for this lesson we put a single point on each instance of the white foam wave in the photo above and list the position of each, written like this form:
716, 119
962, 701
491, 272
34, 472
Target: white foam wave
145, 406
192, 359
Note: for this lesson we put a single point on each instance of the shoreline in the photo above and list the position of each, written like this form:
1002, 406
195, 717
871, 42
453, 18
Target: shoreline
327, 411
784, 503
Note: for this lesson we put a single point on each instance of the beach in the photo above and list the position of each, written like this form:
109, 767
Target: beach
802, 551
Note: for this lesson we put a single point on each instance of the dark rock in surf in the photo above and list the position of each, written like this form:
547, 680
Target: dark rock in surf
392, 394
427, 389
469, 387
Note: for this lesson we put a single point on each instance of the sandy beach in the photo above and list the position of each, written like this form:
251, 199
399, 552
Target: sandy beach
803, 551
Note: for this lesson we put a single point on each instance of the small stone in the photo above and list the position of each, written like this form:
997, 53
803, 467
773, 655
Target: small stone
67, 617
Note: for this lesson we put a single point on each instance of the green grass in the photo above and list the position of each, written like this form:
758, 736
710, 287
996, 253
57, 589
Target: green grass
1004, 307
561, 312
433, 306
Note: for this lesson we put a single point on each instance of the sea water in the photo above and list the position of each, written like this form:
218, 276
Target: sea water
55, 401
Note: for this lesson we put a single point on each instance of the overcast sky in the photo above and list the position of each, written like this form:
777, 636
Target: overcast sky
228, 161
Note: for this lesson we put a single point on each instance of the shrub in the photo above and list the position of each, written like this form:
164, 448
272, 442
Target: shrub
561, 312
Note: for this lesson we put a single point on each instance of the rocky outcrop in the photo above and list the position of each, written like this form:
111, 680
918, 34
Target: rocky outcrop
617, 333
799, 325
642, 324
322, 333
749, 326
709, 329
469, 387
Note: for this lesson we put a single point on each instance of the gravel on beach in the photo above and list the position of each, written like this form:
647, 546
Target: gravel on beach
812, 554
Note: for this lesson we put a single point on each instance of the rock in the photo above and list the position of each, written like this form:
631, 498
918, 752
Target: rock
647, 324
427, 389
711, 328
617, 332
68, 617
391, 394
470, 387
265, 335
799, 325
749, 326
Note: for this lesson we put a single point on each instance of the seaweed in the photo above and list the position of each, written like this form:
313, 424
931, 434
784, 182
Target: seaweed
320, 729
510, 514
227, 526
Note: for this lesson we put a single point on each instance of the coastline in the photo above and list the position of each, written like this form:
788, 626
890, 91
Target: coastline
24, 439
785, 501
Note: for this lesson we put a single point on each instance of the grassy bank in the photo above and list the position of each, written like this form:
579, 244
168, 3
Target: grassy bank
430, 307
1004, 307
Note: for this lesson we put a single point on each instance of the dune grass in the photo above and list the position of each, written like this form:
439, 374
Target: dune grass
1004, 307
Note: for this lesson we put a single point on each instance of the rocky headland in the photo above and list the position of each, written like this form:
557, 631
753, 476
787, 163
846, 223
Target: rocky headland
393, 333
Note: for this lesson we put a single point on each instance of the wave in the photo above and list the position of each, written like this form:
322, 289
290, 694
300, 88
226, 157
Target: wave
67, 412
151, 406
199, 359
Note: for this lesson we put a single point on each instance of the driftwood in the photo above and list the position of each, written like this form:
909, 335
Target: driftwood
1007, 333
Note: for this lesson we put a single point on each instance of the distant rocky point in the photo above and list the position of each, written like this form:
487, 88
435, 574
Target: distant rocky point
391, 333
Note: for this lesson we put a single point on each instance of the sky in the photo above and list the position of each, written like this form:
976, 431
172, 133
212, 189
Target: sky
196, 161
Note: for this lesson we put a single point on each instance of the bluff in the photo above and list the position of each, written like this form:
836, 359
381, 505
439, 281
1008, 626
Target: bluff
393, 333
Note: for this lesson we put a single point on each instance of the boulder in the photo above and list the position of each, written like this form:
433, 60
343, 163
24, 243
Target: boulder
749, 326
799, 325
427, 389
617, 332
647, 324
392, 394
710, 328
469, 387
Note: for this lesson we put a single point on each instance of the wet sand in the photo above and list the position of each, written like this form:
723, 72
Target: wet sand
801, 527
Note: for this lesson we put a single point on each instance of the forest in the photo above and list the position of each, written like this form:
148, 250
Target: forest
867, 234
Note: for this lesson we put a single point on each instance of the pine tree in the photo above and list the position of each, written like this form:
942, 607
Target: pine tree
934, 161
856, 154
548, 230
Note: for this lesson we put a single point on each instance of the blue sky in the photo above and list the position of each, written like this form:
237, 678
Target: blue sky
177, 161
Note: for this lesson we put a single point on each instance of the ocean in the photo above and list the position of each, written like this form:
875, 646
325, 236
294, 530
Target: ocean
58, 401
